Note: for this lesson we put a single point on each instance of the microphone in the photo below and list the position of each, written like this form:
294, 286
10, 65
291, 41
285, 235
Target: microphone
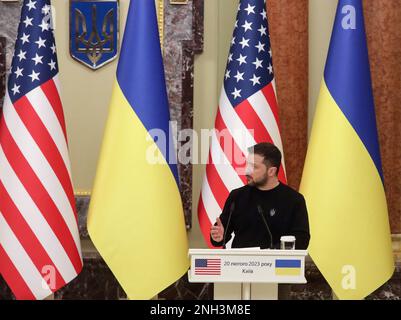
232, 207
260, 210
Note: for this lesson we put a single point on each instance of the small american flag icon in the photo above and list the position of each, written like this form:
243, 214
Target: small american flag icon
208, 267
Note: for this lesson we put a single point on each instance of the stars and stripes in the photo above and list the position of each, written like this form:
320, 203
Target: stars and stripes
208, 267
39, 242
247, 113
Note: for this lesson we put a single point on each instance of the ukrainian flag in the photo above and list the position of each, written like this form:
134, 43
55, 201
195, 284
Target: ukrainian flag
136, 217
343, 179
285, 267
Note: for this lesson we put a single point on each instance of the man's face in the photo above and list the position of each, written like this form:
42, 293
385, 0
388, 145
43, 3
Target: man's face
256, 170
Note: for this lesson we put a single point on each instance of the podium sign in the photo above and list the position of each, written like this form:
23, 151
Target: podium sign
247, 266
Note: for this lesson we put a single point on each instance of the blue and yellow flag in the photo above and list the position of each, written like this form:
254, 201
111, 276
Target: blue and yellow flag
342, 180
136, 218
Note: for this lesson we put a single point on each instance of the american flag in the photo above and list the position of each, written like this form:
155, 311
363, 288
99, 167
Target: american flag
247, 112
39, 241
208, 267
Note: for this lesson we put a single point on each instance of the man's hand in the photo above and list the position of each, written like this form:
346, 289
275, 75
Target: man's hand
217, 232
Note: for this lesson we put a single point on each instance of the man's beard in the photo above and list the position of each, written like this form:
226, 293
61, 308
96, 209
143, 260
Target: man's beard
257, 183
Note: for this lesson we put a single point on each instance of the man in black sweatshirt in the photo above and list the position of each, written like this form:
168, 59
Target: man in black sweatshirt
263, 210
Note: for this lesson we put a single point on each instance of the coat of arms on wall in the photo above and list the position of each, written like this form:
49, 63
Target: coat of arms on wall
94, 31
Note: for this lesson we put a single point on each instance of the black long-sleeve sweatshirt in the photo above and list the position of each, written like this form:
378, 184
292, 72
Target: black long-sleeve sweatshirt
284, 210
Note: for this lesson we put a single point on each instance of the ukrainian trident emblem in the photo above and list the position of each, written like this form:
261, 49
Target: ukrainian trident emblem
94, 27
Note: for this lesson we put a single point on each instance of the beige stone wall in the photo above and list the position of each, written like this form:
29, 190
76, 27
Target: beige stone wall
85, 95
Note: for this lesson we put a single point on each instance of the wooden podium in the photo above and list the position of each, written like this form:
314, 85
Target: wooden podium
244, 274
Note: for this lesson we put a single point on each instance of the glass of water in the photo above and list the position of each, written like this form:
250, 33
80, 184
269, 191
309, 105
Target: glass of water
287, 243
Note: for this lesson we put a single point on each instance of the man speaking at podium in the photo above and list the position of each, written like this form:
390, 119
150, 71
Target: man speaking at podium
263, 210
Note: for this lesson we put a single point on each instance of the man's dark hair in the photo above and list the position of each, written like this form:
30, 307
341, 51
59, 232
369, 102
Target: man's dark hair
270, 153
